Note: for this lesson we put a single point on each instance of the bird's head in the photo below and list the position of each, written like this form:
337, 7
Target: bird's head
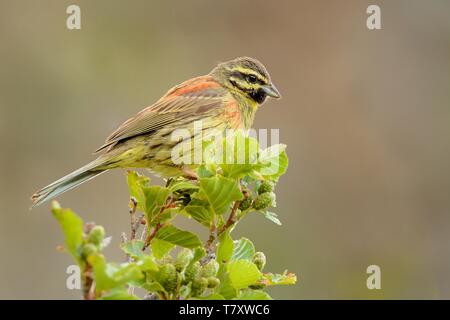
247, 76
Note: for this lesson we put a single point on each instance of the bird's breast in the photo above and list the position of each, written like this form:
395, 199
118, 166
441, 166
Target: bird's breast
232, 115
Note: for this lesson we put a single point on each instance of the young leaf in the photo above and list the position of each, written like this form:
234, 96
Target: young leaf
147, 264
155, 199
153, 287
109, 276
199, 213
133, 248
243, 273
72, 227
136, 183
121, 294
199, 253
213, 296
226, 289
271, 152
182, 185
243, 250
274, 161
225, 247
204, 171
270, 279
220, 192
272, 217
240, 156
179, 237
160, 248
253, 295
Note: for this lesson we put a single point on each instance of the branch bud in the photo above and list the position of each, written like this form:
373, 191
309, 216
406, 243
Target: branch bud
259, 259
265, 200
265, 186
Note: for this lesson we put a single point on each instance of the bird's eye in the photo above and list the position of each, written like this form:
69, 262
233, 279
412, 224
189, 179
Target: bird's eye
251, 78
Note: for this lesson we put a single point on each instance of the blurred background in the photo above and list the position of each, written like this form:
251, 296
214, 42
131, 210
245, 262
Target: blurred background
365, 115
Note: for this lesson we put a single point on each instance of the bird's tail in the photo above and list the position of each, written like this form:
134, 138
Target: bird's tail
66, 183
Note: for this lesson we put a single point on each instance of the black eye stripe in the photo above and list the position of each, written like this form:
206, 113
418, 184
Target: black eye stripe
258, 96
246, 76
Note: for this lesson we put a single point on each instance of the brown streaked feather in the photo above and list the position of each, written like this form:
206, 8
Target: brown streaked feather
193, 97
204, 85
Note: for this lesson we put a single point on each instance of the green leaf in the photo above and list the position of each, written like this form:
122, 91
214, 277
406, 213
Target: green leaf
274, 161
136, 183
243, 273
213, 296
225, 247
161, 248
204, 171
271, 152
119, 295
220, 192
243, 250
153, 287
272, 217
200, 214
147, 264
178, 237
155, 199
226, 289
110, 276
72, 227
133, 248
199, 253
270, 279
209, 147
253, 295
240, 156
182, 185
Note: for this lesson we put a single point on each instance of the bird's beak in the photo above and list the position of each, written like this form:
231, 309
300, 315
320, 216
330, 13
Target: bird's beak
271, 91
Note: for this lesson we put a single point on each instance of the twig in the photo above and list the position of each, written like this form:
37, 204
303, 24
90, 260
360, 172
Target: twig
143, 234
133, 206
151, 236
231, 219
169, 204
209, 243
88, 284
211, 237
123, 238
137, 223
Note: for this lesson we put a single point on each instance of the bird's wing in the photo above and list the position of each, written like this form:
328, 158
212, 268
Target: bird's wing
191, 98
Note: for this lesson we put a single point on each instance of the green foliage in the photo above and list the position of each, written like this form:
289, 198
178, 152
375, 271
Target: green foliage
72, 226
243, 250
171, 263
224, 248
253, 295
243, 273
220, 193
178, 237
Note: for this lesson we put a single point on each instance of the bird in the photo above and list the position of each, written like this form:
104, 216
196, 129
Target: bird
226, 98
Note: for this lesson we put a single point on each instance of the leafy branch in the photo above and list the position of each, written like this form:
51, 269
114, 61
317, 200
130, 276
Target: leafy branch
219, 267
